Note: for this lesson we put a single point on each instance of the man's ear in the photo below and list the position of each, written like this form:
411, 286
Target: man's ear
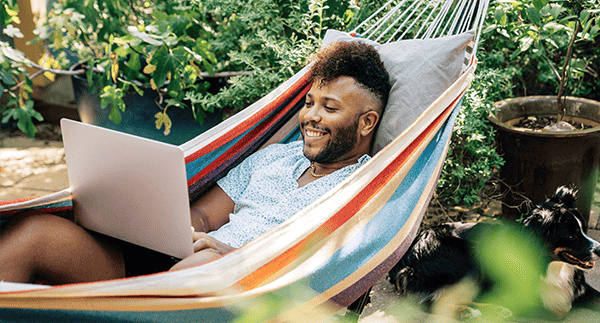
368, 122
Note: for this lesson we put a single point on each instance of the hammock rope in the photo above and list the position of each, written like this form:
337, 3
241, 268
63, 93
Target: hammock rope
449, 18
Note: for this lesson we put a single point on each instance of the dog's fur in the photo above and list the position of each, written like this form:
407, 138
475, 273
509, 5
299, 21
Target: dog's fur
441, 256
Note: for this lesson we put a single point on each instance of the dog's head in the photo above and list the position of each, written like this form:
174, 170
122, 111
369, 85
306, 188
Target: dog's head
561, 226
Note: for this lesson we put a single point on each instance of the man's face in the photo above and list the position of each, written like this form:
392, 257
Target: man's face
330, 120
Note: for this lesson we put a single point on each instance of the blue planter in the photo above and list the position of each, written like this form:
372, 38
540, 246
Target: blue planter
138, 118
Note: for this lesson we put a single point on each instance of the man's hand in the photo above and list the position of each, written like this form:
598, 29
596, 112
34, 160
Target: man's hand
206, 248
203, 241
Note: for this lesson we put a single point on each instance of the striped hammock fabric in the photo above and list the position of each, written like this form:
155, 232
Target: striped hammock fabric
315, 263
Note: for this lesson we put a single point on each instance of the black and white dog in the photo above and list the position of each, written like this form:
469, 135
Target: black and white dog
442, 256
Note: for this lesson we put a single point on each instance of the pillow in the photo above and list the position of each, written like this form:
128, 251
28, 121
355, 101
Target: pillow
420, 71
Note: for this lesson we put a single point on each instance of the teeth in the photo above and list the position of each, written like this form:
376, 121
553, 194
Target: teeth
310, 133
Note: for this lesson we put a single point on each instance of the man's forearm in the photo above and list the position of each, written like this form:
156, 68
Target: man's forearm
200, 221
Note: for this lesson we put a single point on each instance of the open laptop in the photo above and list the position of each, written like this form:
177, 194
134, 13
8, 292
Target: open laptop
129, 187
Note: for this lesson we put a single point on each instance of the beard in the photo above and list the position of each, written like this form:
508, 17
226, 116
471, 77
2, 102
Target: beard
342, 141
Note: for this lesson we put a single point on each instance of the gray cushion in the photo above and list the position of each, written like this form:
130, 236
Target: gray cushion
420, 71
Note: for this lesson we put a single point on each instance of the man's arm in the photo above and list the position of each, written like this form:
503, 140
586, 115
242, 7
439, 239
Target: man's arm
212, 210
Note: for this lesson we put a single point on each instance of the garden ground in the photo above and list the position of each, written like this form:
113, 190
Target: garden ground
30, 167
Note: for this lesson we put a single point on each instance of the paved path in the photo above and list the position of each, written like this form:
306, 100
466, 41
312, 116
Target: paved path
31, 167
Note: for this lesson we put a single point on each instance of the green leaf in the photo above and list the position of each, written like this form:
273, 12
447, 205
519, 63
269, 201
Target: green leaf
27, 126
534, 15
539, 4
175, 103
122, 51
24, 117
7, 78
583, 16
115, 115
556, 10
525, 43
498, 14
587, 28
112, 97
168, 60
134, 62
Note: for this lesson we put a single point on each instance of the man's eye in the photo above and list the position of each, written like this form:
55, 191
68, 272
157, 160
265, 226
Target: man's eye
308, 104
330, 109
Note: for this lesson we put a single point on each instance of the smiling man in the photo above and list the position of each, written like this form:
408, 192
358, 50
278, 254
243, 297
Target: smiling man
349, 90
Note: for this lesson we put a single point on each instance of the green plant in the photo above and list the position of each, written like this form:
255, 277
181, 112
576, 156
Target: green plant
12, 68
269, 39
160, 47
167, 46
123, 46
472, 156
533, 39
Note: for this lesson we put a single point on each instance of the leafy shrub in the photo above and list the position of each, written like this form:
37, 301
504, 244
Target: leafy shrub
472, 155
530, 40
270, 39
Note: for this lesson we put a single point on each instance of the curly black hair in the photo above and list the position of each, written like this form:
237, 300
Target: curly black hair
356, 59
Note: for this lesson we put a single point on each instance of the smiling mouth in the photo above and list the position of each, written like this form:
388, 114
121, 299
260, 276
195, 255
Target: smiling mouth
314, 134
575, 261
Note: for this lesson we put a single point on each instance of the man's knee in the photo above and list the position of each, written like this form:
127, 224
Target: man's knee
34, 228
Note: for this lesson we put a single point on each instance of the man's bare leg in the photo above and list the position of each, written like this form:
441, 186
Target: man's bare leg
45, 247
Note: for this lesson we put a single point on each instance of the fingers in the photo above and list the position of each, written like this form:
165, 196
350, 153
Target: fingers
197, 235
203, 244
202, 241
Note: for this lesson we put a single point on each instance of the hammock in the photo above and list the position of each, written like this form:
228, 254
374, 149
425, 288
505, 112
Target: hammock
326, 255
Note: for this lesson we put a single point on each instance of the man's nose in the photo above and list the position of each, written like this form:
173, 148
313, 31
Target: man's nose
313, 114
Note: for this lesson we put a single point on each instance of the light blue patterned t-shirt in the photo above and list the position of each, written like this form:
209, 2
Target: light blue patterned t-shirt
265, 190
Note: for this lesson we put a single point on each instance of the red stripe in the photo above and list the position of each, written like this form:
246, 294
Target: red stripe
248, 138
250, 121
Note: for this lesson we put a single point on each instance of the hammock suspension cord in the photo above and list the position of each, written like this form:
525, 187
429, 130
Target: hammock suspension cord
450, 17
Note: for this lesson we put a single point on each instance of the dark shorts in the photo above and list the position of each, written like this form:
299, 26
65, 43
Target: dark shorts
139, 260
142, 261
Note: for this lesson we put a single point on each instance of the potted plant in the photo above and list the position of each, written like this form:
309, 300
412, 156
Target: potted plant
167, 49
551, 42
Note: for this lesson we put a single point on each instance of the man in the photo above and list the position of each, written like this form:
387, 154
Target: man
349, 91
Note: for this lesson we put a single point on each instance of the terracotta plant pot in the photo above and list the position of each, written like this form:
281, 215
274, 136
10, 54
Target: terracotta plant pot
537, 162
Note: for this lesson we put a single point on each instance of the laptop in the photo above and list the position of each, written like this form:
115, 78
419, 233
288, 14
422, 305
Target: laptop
129, 187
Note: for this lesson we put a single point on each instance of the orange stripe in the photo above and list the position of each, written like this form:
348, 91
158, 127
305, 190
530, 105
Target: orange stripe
345, 213
19, 200
248, 122
249, 137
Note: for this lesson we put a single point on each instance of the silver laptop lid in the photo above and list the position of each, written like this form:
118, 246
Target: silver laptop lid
129, 187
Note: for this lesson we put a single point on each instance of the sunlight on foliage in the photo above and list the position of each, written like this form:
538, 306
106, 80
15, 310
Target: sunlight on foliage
515, 261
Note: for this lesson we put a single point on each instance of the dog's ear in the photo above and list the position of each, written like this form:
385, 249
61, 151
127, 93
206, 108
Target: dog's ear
538, 218
566, 196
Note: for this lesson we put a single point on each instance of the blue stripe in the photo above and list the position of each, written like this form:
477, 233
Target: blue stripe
196, 166
65, 203
294, 135
386, 224
37, 315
